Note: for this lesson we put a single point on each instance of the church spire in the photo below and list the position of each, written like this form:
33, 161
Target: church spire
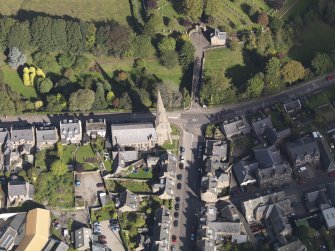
162, 123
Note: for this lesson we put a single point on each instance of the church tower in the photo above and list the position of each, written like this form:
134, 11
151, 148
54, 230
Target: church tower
162, 124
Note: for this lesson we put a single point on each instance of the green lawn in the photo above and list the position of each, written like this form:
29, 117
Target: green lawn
13, 79
133, 186
67, 154
83, 153
238, 65
141, 174
317, 100
82, 9
166, 10
316, 37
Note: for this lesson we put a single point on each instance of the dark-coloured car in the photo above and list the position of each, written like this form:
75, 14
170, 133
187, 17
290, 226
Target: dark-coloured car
176, 214
179, 186
182, 149
181, 165
179, 177
100, 184
174, 239
175, 223
176, 206
177, 199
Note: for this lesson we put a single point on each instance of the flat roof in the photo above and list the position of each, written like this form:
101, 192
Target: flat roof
329, 216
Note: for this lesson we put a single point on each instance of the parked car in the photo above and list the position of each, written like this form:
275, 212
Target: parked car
176, 206
173, 248
182, 149
192, 237
100, 184
179, 186
179, 177
174, 239
177, 199
176, 214
175, 223
181, 165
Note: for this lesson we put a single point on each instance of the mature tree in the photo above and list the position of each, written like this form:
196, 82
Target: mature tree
263, 18
322, 63
6, 23
100, 100
275, 24
19, 35
38, 104
125, 102
115, 38
10, 100
255, 86
193, 8
171, 96
58, 34
89, 30
74, 37
44, 85
167, 44
81, 63
169, 59
43, 59
304, 232
56, 103
233, 44
110, 97
33, 173
293, 71
186, 54
66, 59
7, 106
122, 76
272, 70
16, 58
154, 25
41, 33
145, 97
58, 168
81, 100
277, 4
60, 149
217, 89
142, 46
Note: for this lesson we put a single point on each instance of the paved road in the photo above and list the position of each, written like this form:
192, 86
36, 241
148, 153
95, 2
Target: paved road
189, 200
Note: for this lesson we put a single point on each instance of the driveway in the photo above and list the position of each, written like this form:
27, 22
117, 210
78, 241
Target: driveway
112, 237
88, 189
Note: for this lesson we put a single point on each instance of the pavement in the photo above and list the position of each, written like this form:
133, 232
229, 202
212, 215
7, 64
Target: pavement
113, 239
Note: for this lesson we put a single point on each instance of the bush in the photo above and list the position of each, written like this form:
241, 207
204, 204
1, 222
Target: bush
169, 59
66, 59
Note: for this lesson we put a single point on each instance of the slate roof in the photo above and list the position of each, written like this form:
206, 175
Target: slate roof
299, 148
260, 125
95, 125
55, 245
244, 171
267, 156
46, 134
217, 149
293, 246
7, 236
70, 129
223, 228
230, 213
292, 106
129, 199
206, 245
272, 136
330, 188
20, 188
162, 226
23, 132
236, 126
133, 133
82, 237
326, 156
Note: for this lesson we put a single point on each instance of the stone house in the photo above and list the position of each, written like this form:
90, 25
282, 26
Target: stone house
22, 138
19, 192
95, 128
218, 38
128, 202
70, 131
236, 126
46, 136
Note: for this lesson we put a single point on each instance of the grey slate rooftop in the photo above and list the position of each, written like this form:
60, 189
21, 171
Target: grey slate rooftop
24, 132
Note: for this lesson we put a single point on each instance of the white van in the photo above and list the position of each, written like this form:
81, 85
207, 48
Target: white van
302, 169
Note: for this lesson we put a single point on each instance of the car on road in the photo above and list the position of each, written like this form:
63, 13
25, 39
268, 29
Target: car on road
192, 237
179, 185
176, 206
175, 223
179, 177
182, 159
177, 199
100, 184
181, 165
176, 214
182, 149
173, 248
174, 239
